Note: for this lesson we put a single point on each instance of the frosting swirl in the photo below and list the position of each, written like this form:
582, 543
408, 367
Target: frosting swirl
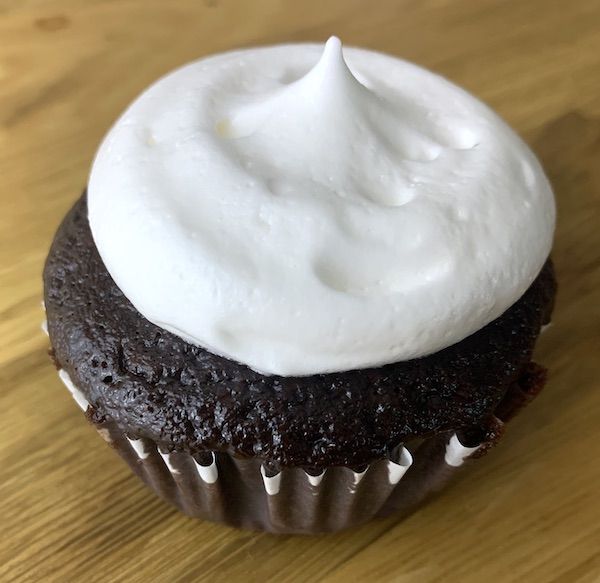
302, 215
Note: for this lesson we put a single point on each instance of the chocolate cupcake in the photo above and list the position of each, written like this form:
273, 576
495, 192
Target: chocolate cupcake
302, 289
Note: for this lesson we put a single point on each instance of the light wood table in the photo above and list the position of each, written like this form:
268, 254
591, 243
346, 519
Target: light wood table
71, 511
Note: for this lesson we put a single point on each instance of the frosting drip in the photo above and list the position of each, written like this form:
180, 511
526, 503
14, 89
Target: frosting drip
302, 215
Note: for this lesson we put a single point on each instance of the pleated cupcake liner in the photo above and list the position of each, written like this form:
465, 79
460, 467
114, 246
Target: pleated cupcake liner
247, 493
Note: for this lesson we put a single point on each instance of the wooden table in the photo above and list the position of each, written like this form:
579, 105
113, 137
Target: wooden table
71, 511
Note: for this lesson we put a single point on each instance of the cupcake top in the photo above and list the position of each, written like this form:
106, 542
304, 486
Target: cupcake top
305, 213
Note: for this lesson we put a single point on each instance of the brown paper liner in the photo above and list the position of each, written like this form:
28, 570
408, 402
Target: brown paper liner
246, 493
240, 492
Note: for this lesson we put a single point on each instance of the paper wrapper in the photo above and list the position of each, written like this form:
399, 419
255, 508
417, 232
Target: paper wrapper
246, 493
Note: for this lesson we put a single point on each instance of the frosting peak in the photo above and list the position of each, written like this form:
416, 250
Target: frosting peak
303, 215
352, 139
328, 85
314, 99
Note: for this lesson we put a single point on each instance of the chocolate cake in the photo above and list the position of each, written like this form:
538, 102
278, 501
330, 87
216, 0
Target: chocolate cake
153, 384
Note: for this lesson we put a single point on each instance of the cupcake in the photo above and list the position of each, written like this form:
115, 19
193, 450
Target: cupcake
303, 286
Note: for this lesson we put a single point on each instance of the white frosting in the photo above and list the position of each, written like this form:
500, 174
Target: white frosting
306, 216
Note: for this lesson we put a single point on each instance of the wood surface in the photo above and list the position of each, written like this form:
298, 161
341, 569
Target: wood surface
71, 511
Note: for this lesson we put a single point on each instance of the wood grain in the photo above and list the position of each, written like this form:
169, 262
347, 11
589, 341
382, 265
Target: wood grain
70, 511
